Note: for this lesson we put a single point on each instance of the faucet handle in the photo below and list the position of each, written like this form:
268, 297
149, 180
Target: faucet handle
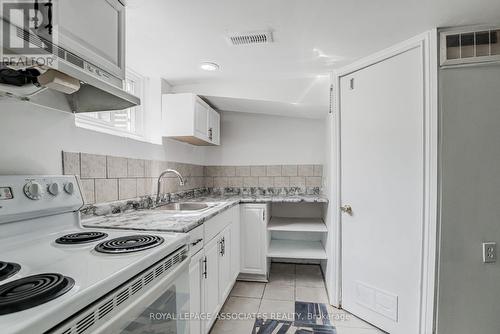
184, 181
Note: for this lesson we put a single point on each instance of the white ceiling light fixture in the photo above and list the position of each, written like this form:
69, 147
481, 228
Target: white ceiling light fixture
209, 66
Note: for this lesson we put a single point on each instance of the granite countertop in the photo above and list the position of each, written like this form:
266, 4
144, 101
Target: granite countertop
160, 220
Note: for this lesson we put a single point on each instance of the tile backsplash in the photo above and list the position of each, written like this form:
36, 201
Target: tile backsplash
111, 178
271, 176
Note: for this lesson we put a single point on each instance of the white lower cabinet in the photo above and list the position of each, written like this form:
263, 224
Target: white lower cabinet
212, 302
235, 245
196, 291
254, 243
225, 275
213, 269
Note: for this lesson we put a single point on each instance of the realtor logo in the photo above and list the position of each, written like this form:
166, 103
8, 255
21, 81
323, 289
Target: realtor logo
28, 32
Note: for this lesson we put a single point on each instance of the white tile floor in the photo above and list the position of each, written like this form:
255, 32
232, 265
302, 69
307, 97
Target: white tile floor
287, 283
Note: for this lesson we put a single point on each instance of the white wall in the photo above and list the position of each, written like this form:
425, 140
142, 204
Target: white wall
469, 293
251, 139
32, 138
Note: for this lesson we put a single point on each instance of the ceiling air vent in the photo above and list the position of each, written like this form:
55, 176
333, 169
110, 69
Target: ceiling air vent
255, 37
469, 46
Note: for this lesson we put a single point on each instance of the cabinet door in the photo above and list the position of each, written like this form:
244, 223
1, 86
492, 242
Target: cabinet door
211, 302
225, 274
214, 127
196, 283
201, 116
235, 246
253, 239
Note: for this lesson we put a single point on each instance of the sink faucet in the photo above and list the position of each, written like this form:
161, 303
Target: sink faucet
182, 181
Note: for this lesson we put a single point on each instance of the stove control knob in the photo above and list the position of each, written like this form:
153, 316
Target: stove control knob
69, 188
33, 190
53, 189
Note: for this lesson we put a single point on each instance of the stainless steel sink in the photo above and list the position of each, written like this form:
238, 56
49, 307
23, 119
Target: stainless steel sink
184, 207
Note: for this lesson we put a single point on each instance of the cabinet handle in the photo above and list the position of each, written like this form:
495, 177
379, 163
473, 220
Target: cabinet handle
204, 267
196, 242
263, 215
210, 133
222, 247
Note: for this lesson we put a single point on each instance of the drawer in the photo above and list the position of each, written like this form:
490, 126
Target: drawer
196, 239
215, 225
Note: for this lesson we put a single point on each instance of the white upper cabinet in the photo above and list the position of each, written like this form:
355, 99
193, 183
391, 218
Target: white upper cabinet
201, 117
214, 127
189, 119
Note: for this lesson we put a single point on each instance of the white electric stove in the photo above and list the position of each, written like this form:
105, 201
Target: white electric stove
58, 277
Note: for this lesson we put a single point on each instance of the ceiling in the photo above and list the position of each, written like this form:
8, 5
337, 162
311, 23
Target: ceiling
169, 39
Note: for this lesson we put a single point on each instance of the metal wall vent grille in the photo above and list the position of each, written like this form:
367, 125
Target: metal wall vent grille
470, 46
100, 312
257, 37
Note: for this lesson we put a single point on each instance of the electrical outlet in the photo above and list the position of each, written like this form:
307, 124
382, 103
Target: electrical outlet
489, 252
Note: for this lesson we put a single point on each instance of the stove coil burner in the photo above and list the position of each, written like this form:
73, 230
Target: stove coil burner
128, 244
81, 238
7, 269
32, 291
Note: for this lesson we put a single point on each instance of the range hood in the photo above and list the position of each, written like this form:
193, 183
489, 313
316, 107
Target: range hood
93, 94
81, 85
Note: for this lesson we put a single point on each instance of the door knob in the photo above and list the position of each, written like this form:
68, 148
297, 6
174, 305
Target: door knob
346, 209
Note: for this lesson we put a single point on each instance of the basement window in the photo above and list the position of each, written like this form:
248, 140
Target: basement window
125, 123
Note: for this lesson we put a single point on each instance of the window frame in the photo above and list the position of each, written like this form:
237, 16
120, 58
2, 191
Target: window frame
83, 120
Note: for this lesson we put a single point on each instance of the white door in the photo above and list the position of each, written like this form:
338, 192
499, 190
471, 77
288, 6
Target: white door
253, 239
212, 281
382, 131
225, 275
196, 282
